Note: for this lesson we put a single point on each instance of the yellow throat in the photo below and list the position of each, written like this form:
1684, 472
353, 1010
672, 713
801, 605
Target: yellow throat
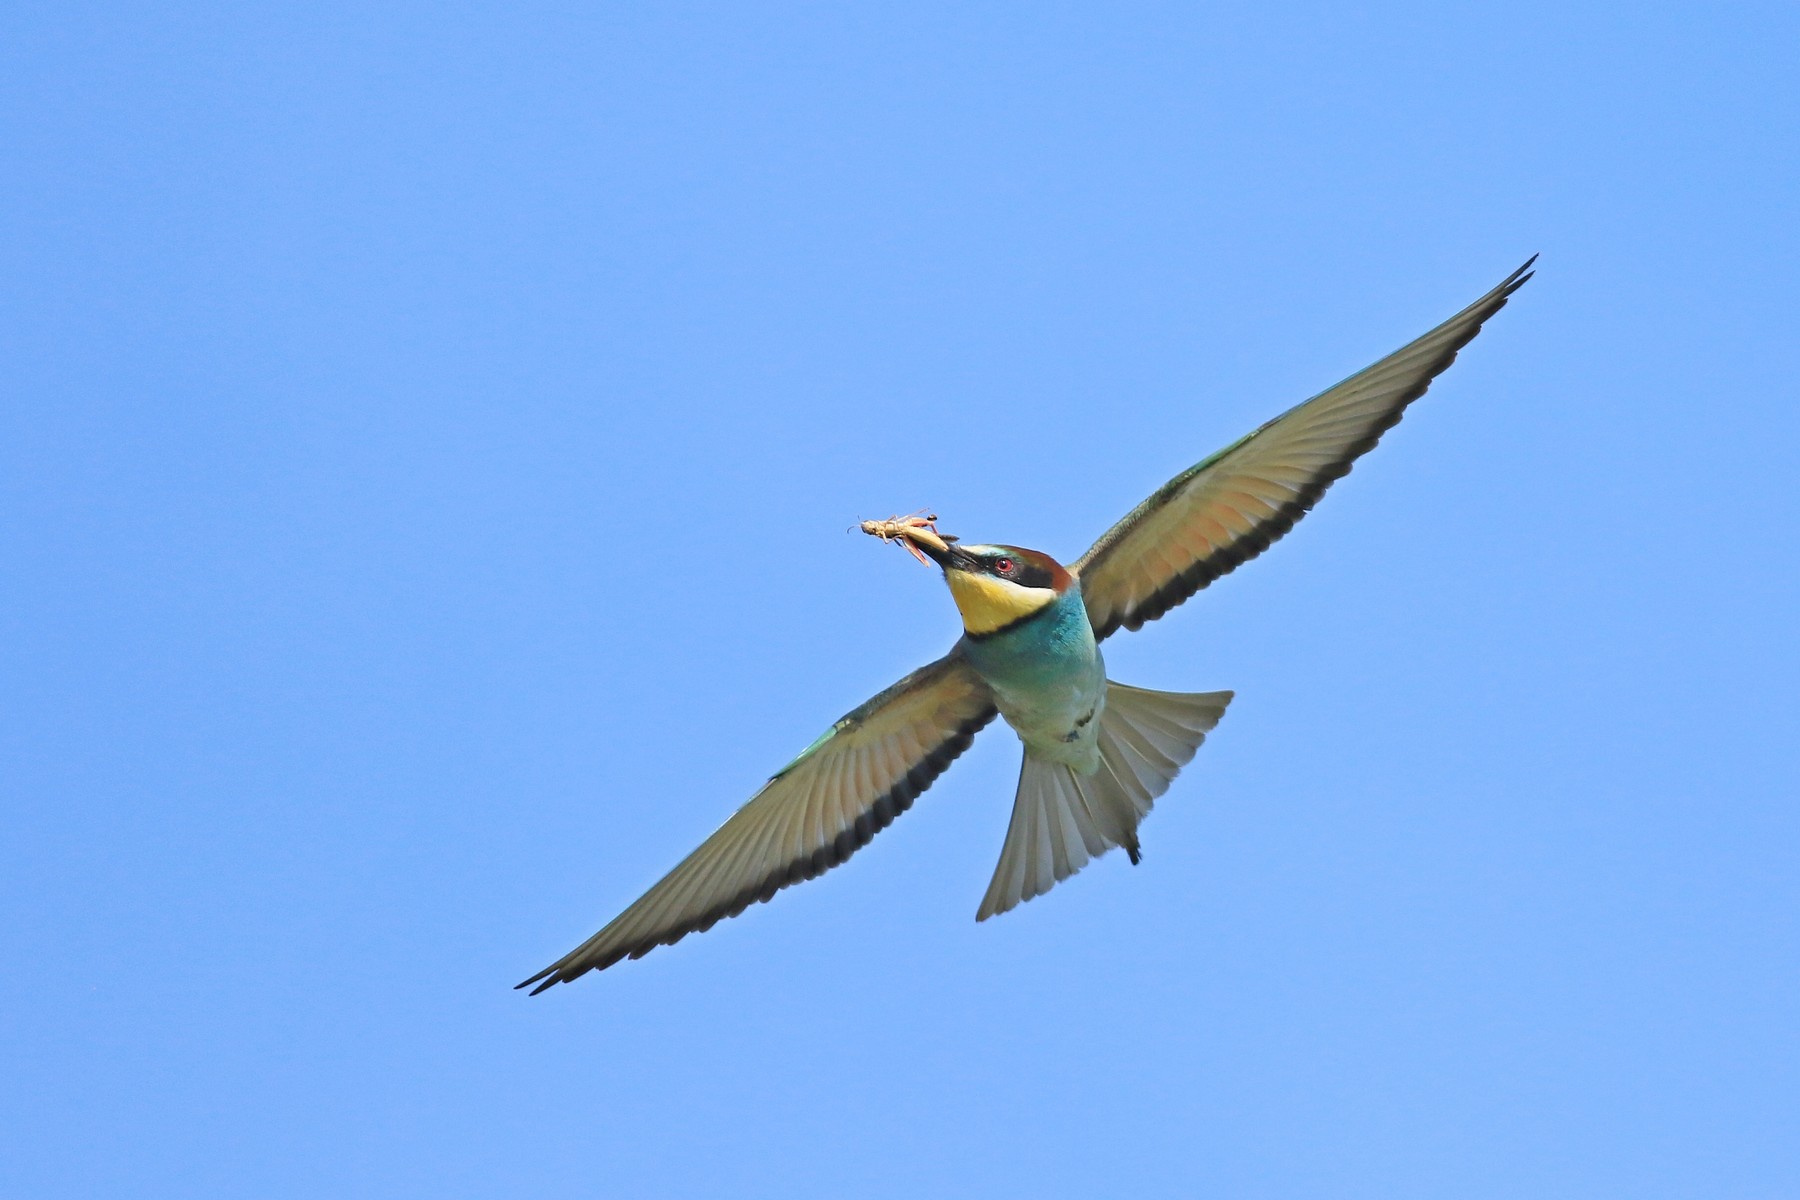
988, 604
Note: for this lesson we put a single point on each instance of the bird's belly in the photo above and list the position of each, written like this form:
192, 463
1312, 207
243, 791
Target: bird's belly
1060, 723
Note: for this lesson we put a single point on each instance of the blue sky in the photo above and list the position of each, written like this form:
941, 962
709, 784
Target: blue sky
430, 436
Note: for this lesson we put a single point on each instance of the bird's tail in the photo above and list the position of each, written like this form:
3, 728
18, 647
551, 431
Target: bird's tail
1062, 818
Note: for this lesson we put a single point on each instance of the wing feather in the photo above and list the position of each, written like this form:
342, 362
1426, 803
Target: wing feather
1233, 506
815, 813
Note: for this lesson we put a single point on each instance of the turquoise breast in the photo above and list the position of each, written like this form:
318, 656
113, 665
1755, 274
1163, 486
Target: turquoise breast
1047, 676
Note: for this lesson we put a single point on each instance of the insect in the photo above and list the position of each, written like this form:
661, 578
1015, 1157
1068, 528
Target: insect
909, 531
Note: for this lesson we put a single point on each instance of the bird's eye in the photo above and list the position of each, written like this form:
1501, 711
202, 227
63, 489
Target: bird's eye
1004, 566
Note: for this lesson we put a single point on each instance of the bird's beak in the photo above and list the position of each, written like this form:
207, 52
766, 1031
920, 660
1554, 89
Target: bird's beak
944, 552
940, 552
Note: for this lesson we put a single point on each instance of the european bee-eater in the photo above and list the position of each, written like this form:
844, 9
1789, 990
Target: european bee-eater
1097, 753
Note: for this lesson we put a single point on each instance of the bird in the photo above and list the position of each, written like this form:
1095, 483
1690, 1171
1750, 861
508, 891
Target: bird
1097, 753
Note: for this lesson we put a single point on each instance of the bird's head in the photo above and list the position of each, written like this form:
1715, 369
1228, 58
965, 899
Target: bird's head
994, 586
997, 586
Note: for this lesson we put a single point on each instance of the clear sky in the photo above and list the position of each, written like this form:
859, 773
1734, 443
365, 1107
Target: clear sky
429, 438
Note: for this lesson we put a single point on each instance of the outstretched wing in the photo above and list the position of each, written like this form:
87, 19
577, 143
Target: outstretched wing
1230, 508
815, 813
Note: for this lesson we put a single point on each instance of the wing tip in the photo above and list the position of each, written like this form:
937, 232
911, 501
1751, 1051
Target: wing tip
545, 979
1519, 278
568, 972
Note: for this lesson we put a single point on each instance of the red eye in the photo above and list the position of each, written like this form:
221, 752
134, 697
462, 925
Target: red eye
1003, 565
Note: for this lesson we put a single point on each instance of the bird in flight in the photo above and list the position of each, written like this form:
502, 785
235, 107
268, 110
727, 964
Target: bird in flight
1097, 753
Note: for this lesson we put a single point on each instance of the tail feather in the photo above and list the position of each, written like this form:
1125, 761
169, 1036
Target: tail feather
1061, 818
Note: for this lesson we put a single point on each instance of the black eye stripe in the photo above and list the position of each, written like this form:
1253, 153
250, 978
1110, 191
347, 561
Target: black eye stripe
1022, 571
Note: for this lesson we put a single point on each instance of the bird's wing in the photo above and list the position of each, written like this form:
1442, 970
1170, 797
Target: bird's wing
1230, 508
815, 813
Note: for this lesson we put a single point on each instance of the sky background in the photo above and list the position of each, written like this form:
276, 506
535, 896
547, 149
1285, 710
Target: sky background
429, 439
